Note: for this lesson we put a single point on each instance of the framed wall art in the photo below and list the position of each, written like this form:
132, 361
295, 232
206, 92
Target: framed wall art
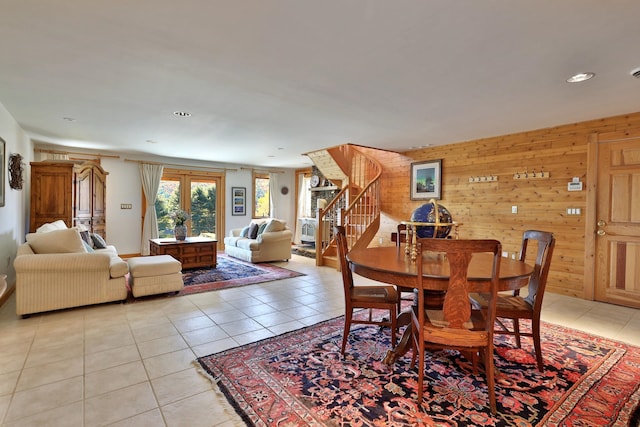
238, 201
426, 180
3, 170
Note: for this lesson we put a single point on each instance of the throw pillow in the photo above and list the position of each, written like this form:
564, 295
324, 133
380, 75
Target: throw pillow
261, 228
98, 241
275, 225
87, 247
51, 226
56, 242
86, 238
253, 231
245, 231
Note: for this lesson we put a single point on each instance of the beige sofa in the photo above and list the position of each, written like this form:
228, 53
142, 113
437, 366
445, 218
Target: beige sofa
56, 270
271, 243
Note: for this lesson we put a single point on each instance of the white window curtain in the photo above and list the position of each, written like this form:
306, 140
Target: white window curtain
273, 188
304, 204
150, 175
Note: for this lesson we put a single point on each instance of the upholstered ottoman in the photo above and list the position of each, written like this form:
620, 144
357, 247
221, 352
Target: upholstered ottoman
151, 275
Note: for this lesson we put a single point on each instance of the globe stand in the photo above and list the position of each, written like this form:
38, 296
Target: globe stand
412, 239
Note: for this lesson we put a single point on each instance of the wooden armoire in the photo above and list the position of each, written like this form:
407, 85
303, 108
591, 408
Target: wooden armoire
68, 190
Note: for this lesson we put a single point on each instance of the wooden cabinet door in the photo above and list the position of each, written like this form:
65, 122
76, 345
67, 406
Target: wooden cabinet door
51, 194
83, 198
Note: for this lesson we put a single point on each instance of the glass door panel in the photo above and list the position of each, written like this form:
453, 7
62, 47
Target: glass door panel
203, 207
167, 201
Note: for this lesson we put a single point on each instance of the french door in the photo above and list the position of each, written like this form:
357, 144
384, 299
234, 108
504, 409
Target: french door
200, 194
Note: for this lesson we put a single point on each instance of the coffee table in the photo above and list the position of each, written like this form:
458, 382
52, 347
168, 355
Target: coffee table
193, 252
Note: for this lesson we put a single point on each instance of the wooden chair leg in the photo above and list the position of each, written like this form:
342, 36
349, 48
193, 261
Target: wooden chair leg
420, 373
535, 329
347, 327
491, 386
516, 331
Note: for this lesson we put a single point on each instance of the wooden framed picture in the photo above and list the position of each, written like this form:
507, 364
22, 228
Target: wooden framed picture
238, 201
3, 169
426, 180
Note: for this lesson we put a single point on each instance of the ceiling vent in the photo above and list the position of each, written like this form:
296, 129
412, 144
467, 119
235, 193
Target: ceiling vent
636, 73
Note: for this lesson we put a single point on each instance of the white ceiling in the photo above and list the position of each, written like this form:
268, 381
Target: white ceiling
267, 81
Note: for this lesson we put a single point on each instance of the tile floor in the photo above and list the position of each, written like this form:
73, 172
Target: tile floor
132, 364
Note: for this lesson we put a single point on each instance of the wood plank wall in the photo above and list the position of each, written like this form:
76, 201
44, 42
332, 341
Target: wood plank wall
485, 208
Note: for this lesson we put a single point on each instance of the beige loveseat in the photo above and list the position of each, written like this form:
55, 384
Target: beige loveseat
272, 242
56, 270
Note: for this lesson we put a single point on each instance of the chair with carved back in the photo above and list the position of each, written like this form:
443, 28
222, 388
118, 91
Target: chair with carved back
383, 297
516, 307
458, 325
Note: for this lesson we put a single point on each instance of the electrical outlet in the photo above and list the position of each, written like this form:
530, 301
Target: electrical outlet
514, 209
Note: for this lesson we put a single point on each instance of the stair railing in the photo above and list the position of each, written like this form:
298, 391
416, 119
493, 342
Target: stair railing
356, 206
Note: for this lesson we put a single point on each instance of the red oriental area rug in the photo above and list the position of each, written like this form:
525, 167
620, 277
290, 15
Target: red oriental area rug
300, 378
230, 273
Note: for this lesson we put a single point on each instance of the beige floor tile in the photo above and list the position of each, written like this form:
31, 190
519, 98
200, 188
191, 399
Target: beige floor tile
110, 379
202, 336
206, 409
45, 398
119, 405
13, 362
286, 327
151, 332
229, 316
64, 416
55, 353
214, 347
110, 358
51, 373
193, 323
241, 326
4, 405
108, 342
151, 418
179, 385
165, 364
8, 382
253, 336
272, 319
161, 345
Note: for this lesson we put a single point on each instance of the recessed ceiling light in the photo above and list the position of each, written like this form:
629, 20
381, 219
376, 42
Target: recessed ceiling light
580, 77
69, 119
151, 141
182, 114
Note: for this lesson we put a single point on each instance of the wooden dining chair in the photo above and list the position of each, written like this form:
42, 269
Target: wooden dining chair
383, 297
516, 307
457, 326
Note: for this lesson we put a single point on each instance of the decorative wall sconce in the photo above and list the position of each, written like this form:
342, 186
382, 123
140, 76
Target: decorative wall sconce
531, 175
483, 178
15, 171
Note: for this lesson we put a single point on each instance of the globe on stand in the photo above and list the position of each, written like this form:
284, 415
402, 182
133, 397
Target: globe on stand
427, 213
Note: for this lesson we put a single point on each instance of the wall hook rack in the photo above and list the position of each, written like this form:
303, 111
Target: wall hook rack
541, 174
483, 178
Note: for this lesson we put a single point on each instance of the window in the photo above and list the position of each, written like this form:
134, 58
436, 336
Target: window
261, 196
201, 201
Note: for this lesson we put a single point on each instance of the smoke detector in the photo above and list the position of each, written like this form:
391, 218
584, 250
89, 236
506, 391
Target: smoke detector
636, 73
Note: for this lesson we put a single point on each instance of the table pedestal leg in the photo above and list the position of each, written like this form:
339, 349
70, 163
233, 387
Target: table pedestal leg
434, 299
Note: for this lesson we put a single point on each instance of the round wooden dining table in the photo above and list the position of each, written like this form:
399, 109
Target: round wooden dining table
391, 265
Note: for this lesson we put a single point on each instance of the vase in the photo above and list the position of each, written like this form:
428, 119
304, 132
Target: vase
180, 231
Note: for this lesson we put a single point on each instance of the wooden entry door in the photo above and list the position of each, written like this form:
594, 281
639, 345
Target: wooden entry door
617, 222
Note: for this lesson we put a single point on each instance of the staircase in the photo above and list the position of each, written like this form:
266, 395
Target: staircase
356, 206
